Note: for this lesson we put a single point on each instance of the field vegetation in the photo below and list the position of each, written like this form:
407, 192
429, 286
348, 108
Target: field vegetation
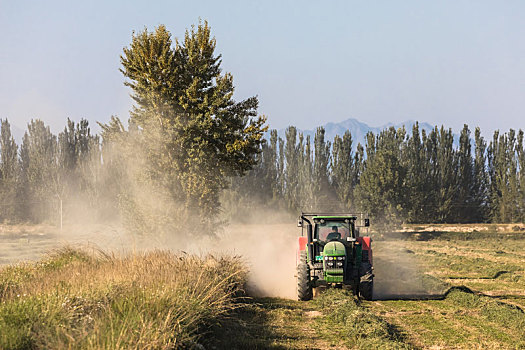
434, 289
481, 269
76, 299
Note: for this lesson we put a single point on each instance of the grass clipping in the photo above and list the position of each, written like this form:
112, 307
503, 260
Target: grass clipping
98, 301
345, 321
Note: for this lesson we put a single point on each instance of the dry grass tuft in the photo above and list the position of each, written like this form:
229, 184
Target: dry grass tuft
95, 300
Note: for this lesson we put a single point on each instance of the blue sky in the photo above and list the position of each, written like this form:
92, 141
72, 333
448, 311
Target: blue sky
310, 62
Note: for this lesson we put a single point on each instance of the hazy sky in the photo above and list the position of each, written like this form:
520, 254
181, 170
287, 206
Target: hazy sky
310, 62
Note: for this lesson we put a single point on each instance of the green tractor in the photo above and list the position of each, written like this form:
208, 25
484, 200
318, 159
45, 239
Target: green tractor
333, 254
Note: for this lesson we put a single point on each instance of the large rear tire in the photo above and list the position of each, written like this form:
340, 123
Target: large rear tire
366, 283
304, 288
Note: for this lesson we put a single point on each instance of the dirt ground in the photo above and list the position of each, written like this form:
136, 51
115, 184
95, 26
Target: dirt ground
23, 243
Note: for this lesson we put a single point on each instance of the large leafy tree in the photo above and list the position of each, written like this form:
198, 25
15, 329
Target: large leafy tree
194, 134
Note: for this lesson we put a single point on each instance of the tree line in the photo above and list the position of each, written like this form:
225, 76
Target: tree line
396, 176
46, 169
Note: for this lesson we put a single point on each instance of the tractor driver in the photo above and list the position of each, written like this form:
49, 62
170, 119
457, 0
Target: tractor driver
334, 234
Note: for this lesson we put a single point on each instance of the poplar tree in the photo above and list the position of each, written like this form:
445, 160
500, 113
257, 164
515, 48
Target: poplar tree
520, 149
324, 198
380, 191
479, 188
272, 172
281, 178
512, 200
464, 207
9, 174
75, 171
446, 173
343, 170
261, 183
429, 211
416, 178
88, 165
503, 167
492, 165
307, 186
291, 195
359, 165
39, 170
67, 147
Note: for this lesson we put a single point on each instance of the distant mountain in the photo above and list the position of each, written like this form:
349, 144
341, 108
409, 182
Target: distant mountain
357, 128
17, 133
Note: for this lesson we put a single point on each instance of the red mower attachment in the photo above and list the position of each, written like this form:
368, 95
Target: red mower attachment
366, 243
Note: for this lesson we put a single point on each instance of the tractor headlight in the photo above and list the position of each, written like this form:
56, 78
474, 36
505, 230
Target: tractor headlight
331, 264
339, 264
340, 258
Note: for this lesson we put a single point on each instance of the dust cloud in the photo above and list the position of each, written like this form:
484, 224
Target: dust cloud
398, 274
268, 247
123, 207
270, 251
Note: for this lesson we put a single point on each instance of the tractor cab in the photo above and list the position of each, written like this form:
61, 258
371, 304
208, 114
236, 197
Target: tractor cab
328, 228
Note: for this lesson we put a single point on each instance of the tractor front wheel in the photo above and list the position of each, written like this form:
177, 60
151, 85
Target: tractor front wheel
304, 288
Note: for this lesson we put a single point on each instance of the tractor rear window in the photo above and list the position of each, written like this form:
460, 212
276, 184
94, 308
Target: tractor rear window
332, 229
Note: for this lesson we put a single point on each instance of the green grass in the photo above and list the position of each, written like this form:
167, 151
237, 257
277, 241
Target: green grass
344, 321
92, 300
335, 319
267, 323
491, 264
462, 320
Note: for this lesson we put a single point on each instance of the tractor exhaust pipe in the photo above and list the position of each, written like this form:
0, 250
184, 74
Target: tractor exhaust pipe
310, 238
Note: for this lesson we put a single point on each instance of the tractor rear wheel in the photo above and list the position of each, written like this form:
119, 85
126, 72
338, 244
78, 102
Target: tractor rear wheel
366, 283
304, 288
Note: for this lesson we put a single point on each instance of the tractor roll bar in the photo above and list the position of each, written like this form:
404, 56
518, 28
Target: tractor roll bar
310, 239
363, 217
